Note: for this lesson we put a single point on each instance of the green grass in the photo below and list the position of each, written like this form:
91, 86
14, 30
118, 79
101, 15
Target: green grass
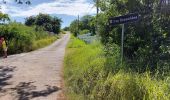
44, 42
90, 74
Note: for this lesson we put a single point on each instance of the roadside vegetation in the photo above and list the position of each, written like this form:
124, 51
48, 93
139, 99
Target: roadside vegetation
44, 21
86, 25
22, 38
93, 70
91, 73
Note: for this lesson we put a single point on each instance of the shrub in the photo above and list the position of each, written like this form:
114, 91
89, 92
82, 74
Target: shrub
21, 38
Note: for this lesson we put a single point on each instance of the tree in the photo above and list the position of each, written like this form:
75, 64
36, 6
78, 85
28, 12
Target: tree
66, 28
56, 24
23, 1
86, 21
74, 27
4, 17
43, 19
28, 2
47, 22
30, 21
146, 41
86, 24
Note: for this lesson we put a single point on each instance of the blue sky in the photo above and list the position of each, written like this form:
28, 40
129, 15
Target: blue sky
67, 10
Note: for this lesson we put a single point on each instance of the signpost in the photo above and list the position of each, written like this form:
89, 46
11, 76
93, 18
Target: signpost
122, 20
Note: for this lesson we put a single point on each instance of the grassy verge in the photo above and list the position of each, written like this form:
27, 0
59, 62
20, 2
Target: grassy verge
36, 44
44, 42
90, 74
21, 38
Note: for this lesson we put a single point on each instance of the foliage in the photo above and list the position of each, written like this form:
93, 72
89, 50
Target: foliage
93, 71
28, 2
85, 23
47, 22
125, 86
76, 43
21, 38
23, 1
30, 20
94, 75
146, 41
4, 17
66, 28
44, 42
74, 27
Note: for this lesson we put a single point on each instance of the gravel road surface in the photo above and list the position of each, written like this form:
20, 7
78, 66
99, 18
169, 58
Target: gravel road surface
36, 75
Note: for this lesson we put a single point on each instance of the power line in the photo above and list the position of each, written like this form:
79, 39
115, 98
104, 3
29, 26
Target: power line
90, 9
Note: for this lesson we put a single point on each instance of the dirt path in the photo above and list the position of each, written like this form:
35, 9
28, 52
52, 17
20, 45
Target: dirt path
35, 75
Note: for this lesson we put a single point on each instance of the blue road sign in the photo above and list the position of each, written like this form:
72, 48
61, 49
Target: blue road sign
165, 2
165, 6
124, 19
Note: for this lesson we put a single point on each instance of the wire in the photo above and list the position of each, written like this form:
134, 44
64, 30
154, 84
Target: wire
89, 10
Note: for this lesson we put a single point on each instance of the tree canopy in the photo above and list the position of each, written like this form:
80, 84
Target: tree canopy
146, 40
28, 2
4, 17
85, 23
49, 23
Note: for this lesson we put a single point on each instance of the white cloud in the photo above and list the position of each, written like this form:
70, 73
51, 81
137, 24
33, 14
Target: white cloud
68, 7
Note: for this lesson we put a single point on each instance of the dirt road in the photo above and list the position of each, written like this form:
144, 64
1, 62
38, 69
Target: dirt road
35, 75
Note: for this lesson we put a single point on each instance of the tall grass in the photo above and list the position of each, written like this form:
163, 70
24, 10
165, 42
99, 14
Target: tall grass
92, 75
44, 42
21, 38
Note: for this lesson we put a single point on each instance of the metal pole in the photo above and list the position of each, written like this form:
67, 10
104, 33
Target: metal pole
122, 40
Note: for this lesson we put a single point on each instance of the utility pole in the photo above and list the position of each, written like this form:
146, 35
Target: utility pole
78, 25
97, 9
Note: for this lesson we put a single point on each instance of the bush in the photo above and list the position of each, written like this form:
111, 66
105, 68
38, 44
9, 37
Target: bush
21, 38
